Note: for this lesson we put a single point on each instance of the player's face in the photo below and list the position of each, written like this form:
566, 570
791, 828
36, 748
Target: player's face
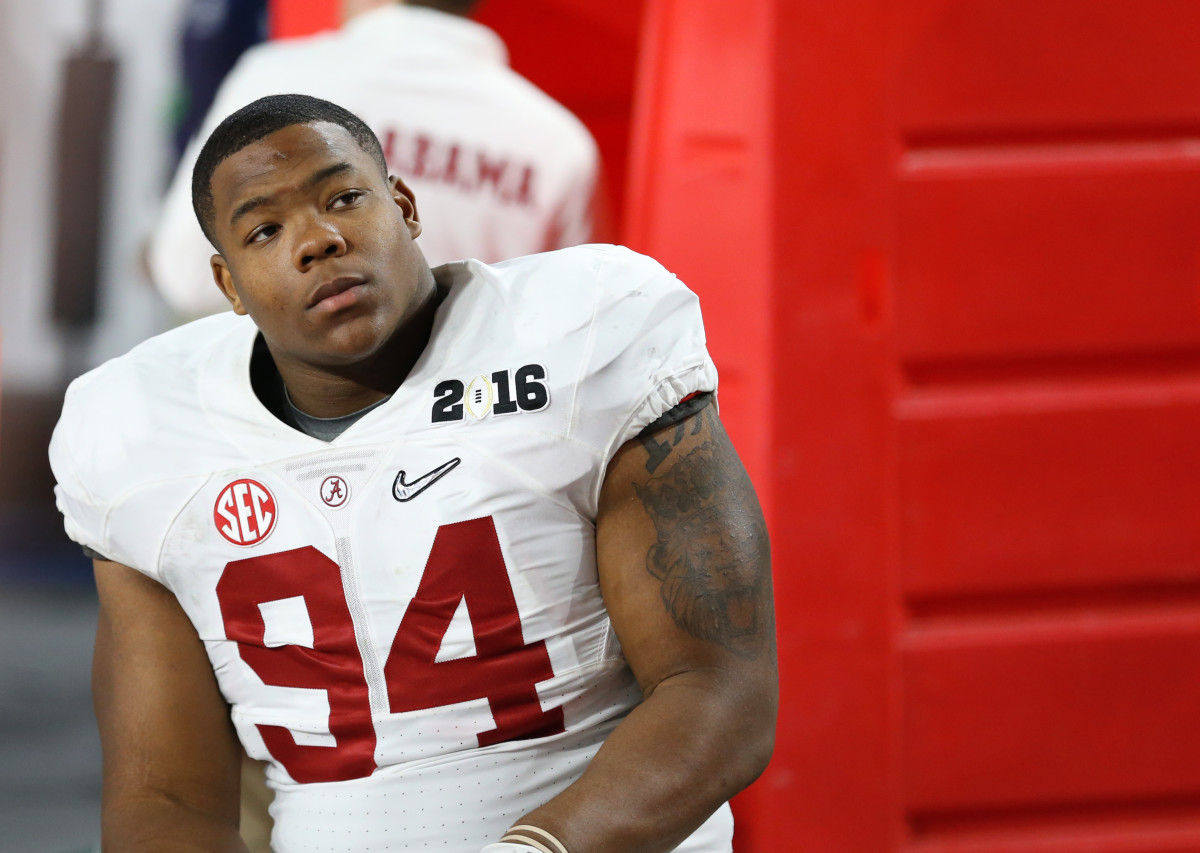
317, 246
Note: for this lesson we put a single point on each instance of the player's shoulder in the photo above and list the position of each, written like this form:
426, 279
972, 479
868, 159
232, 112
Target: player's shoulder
168, 358
615, 278
129, 402
132, 433
552, 295
628, 332
603, 268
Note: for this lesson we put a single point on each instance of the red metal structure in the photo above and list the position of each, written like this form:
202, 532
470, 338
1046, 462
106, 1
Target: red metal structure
948, 255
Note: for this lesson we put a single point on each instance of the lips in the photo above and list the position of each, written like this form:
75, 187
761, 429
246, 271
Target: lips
333, 288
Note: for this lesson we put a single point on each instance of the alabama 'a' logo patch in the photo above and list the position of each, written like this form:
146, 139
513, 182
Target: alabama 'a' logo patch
245, 512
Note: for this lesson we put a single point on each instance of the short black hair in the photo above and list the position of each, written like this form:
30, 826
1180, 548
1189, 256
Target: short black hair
259, 120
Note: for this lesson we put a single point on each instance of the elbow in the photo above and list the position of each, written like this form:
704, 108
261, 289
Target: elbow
745, 762
759, 743
751, 724
759, 752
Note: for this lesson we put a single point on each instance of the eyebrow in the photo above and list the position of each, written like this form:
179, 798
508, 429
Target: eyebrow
315, 178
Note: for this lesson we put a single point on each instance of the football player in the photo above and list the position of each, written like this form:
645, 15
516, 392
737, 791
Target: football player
464, 553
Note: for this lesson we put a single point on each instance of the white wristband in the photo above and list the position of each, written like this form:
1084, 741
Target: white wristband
525, 837
535, 837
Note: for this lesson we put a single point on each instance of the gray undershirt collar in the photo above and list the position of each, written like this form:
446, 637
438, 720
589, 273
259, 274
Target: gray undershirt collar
325, 429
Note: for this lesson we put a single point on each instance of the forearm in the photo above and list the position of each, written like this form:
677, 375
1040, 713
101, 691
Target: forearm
156, 823
701, 737
171, 757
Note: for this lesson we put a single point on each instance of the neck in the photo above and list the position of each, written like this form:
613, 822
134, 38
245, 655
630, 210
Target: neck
331, 392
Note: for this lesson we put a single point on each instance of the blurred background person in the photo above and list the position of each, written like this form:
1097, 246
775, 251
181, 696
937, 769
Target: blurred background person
499, 167
214, 36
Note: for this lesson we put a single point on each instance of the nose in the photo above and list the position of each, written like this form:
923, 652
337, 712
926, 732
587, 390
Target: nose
320, 239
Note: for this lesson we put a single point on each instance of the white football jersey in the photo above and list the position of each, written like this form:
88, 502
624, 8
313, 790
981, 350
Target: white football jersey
499, 169
406, 621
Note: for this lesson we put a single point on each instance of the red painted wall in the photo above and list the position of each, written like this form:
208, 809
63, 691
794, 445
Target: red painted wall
979, 371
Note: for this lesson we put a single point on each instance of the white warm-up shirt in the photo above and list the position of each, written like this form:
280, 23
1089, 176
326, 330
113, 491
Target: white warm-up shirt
499, 169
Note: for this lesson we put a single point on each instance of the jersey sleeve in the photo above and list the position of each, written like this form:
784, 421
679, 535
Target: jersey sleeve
648, 350
83, 514
111, 502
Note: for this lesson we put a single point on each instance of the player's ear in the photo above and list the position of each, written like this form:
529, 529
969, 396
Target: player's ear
407, 201
224, 280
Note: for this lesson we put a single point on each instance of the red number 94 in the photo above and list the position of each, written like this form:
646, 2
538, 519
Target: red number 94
465, 563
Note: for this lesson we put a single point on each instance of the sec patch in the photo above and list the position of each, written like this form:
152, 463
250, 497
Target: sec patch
245, 512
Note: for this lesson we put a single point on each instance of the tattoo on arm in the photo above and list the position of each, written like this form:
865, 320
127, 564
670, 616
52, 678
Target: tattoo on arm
712, 542
660, 450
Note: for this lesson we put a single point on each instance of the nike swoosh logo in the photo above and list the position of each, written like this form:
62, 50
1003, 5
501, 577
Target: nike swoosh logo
403, 491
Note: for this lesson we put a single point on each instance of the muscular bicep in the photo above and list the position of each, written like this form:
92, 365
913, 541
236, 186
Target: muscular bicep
684, 557
164, 726
684, 568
